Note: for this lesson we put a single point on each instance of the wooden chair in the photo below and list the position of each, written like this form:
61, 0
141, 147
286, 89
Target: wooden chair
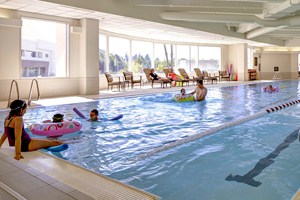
147, 72
113, 81
198, 72
167, 71
224, 75
208, 77
184, 74
132, 80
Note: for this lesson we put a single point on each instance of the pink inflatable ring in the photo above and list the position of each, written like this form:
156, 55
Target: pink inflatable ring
55, 129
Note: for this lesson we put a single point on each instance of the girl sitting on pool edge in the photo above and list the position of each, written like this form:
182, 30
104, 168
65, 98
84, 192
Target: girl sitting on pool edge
16, 134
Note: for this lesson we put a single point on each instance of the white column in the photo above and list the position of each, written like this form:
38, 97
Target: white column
89, 57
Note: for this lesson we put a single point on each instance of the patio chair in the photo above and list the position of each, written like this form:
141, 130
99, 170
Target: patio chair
167, 71
207, 77
198, 72
224, 75
184, 74
133, 79
111, 81
150, 80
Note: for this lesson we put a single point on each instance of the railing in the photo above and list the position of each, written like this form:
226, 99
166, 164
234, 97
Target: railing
30, 91
14, 82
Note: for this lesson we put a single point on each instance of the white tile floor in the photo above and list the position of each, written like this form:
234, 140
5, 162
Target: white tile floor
40, 176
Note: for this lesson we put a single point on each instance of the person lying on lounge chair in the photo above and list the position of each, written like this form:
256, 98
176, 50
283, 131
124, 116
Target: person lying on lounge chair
154, 76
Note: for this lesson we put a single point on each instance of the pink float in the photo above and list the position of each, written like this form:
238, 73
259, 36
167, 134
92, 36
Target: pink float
55, 129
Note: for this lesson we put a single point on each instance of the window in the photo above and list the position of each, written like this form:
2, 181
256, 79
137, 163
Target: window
102, 54
163, 57
118, 54
141, 55
194, 57
183, 57
209, 58
47, 38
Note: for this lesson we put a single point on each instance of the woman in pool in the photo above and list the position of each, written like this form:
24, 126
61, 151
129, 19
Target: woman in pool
17, 135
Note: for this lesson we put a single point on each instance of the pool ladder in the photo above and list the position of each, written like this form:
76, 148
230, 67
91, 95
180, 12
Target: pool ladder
14, 82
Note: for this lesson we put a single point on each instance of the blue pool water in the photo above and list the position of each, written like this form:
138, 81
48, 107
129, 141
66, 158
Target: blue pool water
197, 169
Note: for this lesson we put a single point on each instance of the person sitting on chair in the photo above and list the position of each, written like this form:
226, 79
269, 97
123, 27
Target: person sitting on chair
154, 76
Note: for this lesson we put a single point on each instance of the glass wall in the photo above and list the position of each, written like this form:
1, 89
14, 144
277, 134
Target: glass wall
43, 48
142, 54
194, 57
118, 54
183, 57
155, 55
209, 58
102, 54
163, 56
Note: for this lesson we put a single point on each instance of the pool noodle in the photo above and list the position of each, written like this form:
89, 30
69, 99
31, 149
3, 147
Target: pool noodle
116, 117
58, 148
79, 113
82, 116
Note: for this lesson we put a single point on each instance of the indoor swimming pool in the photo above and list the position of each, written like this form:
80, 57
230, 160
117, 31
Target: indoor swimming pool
256, 159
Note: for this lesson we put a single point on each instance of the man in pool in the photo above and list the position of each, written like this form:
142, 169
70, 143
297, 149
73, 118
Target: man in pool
200, 91
94, 115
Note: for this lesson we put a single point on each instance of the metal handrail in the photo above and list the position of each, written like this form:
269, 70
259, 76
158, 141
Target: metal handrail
10, 91
30, 91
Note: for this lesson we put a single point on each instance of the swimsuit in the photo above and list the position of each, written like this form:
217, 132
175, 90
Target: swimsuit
154, 76
173, 76
10, 133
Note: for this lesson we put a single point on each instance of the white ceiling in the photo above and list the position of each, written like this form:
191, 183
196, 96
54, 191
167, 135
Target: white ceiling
271, 19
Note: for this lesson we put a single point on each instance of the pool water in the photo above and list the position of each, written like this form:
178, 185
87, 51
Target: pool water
197, 169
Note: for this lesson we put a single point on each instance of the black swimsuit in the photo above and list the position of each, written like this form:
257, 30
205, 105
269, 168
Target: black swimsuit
10, 133
154, 76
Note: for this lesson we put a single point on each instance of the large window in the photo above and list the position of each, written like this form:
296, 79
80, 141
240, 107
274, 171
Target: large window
118, 54
102, 53
133, 55
183, 57
163, 56
44, 48
142, 53
194, 57
209, 58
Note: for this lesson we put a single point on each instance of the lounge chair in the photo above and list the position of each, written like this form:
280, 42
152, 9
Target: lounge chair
150, 80
111, 81
186, 76
132, 79
208, 77
167, 71
198, 72
224, 75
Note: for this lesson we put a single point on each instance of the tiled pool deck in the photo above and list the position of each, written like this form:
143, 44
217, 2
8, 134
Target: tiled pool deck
40, 176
